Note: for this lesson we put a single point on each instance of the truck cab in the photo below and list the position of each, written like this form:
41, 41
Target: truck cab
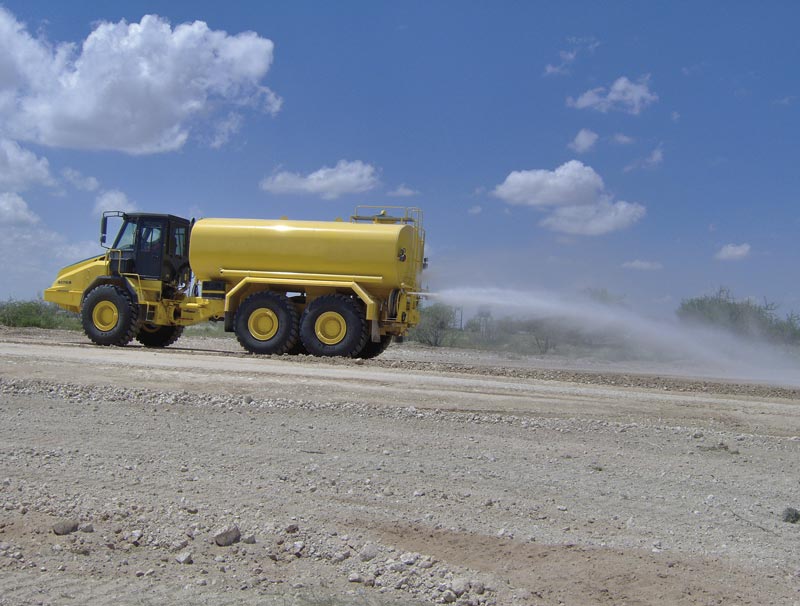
154, 247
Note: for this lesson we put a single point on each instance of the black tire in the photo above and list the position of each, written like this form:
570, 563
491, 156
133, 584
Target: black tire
151, 335
109, 316
334, 325
266, 323
373, 350
298, 349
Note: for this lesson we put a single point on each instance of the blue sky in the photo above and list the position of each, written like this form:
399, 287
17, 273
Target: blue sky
650, 149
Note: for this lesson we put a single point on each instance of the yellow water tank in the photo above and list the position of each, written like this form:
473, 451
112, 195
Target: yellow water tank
388, 255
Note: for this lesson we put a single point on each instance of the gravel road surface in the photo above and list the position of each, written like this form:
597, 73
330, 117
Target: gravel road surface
201, 475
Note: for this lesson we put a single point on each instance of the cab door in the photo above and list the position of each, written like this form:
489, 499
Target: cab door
150, 250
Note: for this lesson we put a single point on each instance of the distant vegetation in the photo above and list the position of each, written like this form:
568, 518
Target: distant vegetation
743, 317
37, 314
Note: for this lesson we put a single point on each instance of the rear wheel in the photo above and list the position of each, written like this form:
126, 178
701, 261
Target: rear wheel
334, 325
109, 316
151, 335
266, 323
373, 350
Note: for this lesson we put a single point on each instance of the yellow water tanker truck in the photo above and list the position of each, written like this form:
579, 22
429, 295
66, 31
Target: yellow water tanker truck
330, 288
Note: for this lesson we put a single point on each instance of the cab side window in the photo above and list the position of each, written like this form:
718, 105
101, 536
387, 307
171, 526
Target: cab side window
179, 242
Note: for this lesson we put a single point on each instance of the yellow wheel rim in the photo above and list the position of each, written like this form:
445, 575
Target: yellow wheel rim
105, 315
330, 327
263, 324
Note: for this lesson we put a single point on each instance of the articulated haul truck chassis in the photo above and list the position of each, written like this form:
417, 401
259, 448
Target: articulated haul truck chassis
331, 288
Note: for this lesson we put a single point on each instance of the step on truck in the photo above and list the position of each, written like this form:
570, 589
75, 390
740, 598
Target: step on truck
325, 288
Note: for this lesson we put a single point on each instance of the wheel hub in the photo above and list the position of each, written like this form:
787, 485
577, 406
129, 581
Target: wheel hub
263, 324
105, 315
330, 327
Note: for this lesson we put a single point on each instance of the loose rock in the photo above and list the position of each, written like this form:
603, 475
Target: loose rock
227, 536
65, 527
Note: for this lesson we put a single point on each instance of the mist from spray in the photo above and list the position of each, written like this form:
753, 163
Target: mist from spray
666, 347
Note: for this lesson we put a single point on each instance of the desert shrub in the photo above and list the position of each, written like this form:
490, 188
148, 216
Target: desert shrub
38, 314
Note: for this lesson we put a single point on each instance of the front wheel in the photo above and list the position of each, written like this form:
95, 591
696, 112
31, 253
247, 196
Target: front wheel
109, 316
334, 325
151, 335
266, 323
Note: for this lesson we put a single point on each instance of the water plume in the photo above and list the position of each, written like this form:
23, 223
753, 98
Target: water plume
658, 346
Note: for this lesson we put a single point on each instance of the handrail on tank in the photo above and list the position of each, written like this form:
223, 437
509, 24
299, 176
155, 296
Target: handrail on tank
410, 215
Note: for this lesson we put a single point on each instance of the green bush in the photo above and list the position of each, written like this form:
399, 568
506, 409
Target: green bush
37, 314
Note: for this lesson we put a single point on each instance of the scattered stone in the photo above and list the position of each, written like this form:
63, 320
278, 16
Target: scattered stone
460, 586
291, 529
791, 515
477, 587
368, 552
227, 536
340, 556
354, 577
179, 545
87, 527
448, 597
409, 558
184, 558
65, 527
249, 539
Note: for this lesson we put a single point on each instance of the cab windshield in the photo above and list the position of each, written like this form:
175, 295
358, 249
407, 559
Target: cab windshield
126, 237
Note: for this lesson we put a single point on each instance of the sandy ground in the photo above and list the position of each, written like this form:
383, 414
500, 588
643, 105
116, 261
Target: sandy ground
424, 476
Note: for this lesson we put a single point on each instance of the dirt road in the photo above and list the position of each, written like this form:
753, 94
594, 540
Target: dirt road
419, 477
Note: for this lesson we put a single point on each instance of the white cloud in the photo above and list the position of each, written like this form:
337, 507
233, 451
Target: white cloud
14, 211
643, 265
655, 158
574, 198
567, 57
226, 128
403, 191
733, 252
475, 210
621, 139
787, 100
675, 117
21, 168
623, 95
133, 87
583, 141
113, 200
571, 184
79, 181
328, 182
594, 220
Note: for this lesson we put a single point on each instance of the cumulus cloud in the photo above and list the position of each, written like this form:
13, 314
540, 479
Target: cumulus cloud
328, 182
14, 211
21, 168
403, 191
583, 141
79, 181
113, 200
571, 184
133, 87
642, 265
574, 198
733, 252
622, 139
623, 95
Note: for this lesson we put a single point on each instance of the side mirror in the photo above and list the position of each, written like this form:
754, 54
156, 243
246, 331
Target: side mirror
103, 229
